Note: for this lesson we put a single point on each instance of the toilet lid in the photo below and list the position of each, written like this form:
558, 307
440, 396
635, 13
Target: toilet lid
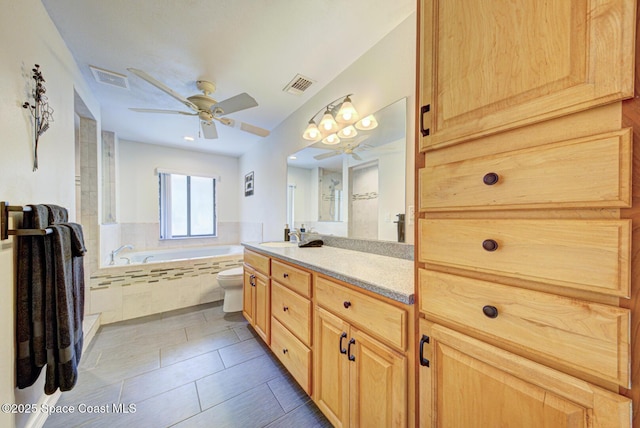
230, 273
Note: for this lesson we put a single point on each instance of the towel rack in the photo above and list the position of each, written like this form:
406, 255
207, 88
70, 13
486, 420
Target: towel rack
5, 208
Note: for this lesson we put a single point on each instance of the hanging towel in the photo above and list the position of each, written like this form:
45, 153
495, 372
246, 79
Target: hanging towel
68, 298
33, 271
57, 214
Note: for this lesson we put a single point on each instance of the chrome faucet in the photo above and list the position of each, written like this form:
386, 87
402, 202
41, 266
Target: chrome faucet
114, 253
295, 234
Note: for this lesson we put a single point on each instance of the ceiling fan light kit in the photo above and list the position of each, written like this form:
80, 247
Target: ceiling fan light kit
340, 120
206, 108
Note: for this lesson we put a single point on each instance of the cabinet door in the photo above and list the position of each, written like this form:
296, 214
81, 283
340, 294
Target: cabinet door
489, 66
262, 314
378, 378
248, 294
469, 383
331, 367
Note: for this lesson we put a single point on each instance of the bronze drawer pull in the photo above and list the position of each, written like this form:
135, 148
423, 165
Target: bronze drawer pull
342, 349
286, 275
346, 304
285, 350
285, 308
490, 311
352, 357
489, 245
490, 178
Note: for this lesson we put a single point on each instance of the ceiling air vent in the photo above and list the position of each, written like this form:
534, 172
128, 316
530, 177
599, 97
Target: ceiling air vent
298, 85
109, 77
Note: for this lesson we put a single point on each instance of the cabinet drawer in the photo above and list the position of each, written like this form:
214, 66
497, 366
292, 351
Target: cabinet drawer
296, 279
293, 354
589, 337
553, 175
292, 310
582, 254
380, 319
257, 261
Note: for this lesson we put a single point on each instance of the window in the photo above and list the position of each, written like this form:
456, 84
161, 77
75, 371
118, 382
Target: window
187, 206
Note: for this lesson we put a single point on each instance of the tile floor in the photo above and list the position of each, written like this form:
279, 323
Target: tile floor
196, 367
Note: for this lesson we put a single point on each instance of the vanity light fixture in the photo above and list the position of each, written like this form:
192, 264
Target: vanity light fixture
337, 122
187, 138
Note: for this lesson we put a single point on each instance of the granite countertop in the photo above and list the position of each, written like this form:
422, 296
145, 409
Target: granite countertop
387, 276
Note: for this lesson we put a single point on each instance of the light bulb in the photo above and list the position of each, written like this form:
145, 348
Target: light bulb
331, 139
347, 112
348, 132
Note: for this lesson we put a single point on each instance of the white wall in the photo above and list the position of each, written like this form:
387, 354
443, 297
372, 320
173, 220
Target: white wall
30, 37
138, 182
381, 76
138, 195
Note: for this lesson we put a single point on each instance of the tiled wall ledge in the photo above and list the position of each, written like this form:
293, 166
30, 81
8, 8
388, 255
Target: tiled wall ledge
384, 248
132, 291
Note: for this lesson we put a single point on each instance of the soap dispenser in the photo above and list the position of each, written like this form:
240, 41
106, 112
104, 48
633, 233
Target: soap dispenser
286, 232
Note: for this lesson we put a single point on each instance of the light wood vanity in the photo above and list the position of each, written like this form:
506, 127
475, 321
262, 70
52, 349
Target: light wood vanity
350, 348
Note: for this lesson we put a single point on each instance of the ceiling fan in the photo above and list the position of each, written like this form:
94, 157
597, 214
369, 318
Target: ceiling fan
348, 149
205, 107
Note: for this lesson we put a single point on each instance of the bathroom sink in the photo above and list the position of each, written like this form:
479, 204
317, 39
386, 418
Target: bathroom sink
279, 244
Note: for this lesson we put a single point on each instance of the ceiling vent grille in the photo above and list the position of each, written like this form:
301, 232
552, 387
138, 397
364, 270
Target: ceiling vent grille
109, 77
298, 85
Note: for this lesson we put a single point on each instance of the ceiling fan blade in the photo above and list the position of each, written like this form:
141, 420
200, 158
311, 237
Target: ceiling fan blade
153, 110
246, 127
241, 101
209, 130
164, 88
355, 156
327, 155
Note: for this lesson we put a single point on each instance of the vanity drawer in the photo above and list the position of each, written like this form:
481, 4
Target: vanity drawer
552, 175
293, 354
257, 261
296, 279
588, 337
582, 254
380, 319
292, 310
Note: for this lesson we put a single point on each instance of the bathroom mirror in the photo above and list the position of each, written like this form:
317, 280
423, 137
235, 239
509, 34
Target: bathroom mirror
355, 188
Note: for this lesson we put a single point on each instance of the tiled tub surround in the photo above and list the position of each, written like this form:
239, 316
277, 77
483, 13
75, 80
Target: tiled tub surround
132, 291
387, 276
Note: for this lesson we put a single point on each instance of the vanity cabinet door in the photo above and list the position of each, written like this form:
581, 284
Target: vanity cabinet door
378, 383
469, 383
248, 294
262, 314
256, 303
358, 381
331, 367
489, 66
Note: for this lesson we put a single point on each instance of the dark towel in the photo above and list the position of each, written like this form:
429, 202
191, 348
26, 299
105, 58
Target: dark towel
27, 371
57, 214
64, 357
33, 273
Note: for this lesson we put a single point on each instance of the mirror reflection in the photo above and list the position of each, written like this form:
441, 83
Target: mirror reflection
355, 188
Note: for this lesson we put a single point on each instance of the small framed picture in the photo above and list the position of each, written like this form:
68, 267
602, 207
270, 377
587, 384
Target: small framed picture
248, 184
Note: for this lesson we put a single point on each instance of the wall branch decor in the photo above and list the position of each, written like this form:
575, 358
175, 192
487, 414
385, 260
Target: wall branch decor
40, 110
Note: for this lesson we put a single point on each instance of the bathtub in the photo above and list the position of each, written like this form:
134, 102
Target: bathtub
175, 254
150, 282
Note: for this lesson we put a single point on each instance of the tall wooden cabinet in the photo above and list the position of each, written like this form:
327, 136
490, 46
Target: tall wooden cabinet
526, 279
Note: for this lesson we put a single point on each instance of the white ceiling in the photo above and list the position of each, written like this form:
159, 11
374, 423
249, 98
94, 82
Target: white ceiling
254, 46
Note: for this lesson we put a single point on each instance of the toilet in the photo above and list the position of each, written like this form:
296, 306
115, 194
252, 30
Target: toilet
230, 281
